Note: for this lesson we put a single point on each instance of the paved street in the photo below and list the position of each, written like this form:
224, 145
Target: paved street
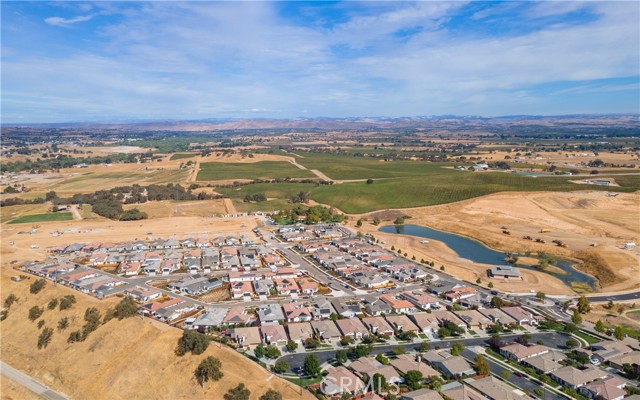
551, 339
30, 383
618, 297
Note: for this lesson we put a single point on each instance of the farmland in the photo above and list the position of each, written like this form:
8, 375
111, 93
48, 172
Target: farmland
213, 171
339, 167
180, 156
92, 181
403, 184
61, 216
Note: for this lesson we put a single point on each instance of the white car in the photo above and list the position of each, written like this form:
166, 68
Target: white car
595, 361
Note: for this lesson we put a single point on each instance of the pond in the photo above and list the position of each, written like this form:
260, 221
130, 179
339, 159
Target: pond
477, 252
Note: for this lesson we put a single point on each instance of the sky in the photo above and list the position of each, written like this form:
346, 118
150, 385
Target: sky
123, 61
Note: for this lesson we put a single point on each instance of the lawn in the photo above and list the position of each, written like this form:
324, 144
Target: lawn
179, 156
61, 216
587, 338
213, 171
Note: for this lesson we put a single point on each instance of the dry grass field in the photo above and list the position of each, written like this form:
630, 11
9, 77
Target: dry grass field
10, 390
128, 359
169, 208
577, 218
113, 231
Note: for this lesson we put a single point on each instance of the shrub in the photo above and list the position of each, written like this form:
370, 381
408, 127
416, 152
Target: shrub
53, 303
35, 312
272, 352
271, 395
37, 286
281, 366
67, 302
45, 338
126, 308
63, 324
76, 336
8, 302
239, 392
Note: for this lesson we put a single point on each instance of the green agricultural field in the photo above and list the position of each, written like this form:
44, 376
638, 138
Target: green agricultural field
433, 185
179, 156
214, 171
61, 216
443, 187
278, 195
339, 167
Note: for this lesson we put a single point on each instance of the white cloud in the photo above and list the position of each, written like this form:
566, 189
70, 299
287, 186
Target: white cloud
66, 22
193, 59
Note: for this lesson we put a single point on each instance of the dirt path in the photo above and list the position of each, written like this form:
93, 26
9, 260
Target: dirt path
228, 204
194, 174
76, 213
294, 162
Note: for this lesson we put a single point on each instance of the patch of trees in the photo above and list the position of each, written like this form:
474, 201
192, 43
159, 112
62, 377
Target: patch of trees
192, 341
209, 369
450, 329
312, 215
258, 197
93, 319
499, 165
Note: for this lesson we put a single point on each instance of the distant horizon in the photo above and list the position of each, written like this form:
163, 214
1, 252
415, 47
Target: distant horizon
214, 120
121, 61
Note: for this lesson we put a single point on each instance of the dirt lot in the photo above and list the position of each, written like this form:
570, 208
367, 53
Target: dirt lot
612, 317
168, 208
107, 230
128, 359
578, 219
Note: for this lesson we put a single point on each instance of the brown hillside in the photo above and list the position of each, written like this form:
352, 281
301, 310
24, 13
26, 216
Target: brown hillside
128, 359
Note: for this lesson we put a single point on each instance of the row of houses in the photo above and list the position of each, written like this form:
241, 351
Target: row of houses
298, 321
76, 277
592, 381
362, 262
350, 379
299, 233
283, 286
156, 244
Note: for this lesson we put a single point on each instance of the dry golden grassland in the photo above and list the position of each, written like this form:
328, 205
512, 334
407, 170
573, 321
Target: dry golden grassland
127, 359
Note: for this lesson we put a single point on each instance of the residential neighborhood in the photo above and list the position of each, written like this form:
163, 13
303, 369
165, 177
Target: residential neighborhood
320, 291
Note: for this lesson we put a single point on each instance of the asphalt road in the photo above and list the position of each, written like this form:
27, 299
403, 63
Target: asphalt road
618, 297
550, 339
30, 383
